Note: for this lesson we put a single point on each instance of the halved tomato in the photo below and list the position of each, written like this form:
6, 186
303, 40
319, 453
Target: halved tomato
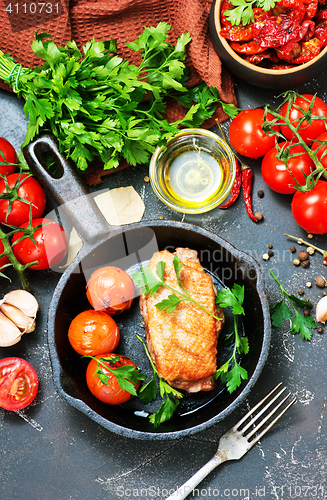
18, 383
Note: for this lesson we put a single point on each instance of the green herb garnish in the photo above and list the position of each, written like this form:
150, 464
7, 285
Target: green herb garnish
127, 375
148, 283
243, 10
231, 372
149, 392
280, 312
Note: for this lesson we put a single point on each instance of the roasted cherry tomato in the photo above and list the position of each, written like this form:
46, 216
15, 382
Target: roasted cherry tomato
50, 247
274, 171
308, 131
111, 394
321, 145
21, 187
8, 157
3, 260
18, 383
93, 332
110, 289
309, 209
246, 135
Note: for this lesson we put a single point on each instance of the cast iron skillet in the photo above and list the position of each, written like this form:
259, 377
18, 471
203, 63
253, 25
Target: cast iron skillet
129, 247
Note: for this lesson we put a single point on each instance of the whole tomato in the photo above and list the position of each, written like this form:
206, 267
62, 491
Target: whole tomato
322, 151
277, 176
19, 383
110, 393
308, 131
51, 244
309, 209
8, 157
3, 260
246, 135
93, 332
21, 187
110, 289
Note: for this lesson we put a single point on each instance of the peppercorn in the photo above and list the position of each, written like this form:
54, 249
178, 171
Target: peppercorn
308, 284
261, 193
320, 330
310, 236
324, 262
270, 245
306, 263
265, 256
258, 215
292, 249
324, 293
296, 262
271, 253
300, 291
161, 217
306, 312
146, 178
320, 281
310, 250
302, 255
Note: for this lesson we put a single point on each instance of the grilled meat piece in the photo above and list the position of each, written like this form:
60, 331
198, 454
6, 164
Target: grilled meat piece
183, 343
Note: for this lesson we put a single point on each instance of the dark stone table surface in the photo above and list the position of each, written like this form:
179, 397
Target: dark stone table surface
51, 451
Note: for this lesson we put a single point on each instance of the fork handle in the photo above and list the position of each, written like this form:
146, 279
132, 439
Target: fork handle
187, 487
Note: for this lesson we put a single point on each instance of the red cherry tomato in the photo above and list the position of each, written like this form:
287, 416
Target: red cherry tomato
29, 190
93, 332
18, 383
322, 149
308, 131
111, 394
51, 245
275, 173
3, 260
8, 157
246, 135
110, 289
309, 209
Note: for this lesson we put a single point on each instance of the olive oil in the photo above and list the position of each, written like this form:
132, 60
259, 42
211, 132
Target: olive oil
193, 177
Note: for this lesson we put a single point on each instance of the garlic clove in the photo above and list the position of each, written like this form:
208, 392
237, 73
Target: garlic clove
18, 317
321, 310
23, 300
9, 333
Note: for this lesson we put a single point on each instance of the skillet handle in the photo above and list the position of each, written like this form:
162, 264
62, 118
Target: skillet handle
68, 190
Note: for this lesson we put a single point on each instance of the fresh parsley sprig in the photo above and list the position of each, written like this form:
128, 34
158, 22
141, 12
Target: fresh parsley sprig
149, 392
243, 10
280, 312
127, 375
148, 283
231, 371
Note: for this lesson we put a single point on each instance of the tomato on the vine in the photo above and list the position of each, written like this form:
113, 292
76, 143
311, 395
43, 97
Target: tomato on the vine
322, 151
309, 209
93, 332
309, 130
277, 176
110, 289
8, 157
110, 393
21, 187
18, 383
246, 135
3, 260
50, 247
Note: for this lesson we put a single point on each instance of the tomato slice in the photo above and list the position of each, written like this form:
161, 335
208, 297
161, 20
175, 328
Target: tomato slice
18, 383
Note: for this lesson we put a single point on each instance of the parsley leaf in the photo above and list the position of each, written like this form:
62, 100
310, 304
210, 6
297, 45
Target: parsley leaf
242, 13
280, 312
233, 298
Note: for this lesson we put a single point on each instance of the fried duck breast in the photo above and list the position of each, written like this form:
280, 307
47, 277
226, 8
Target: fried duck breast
183, 343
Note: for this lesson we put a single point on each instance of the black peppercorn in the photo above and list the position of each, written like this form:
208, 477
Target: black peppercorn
261, 193
305, 263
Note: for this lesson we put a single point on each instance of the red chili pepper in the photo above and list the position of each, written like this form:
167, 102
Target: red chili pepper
247, 176
235, 191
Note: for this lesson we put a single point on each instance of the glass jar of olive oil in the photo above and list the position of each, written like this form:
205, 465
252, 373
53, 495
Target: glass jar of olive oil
193, 172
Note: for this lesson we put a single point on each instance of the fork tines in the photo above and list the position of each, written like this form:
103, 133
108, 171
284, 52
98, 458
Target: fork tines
282, 402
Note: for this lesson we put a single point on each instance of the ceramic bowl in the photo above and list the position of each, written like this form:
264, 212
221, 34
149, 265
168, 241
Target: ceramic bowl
261, 77
194, 172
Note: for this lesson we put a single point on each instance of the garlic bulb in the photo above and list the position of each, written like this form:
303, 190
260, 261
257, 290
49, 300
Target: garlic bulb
321, 310
17, 316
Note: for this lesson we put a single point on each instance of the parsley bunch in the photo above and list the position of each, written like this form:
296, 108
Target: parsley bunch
101, 107
280, 312
243, 10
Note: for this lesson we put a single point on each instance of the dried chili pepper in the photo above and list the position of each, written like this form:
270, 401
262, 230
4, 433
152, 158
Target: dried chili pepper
235, 191
247, 176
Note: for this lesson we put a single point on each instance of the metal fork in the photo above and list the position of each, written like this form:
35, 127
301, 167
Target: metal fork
240, 438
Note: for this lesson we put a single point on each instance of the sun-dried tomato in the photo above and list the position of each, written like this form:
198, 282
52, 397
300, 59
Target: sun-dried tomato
320, 32
277, 31
237, 33
247, 48
309, 25
258, 58
226, 5
310, 8
321, 14
309, 50
293, 8
289, 51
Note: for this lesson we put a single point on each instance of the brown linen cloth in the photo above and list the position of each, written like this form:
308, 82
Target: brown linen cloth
124, 20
